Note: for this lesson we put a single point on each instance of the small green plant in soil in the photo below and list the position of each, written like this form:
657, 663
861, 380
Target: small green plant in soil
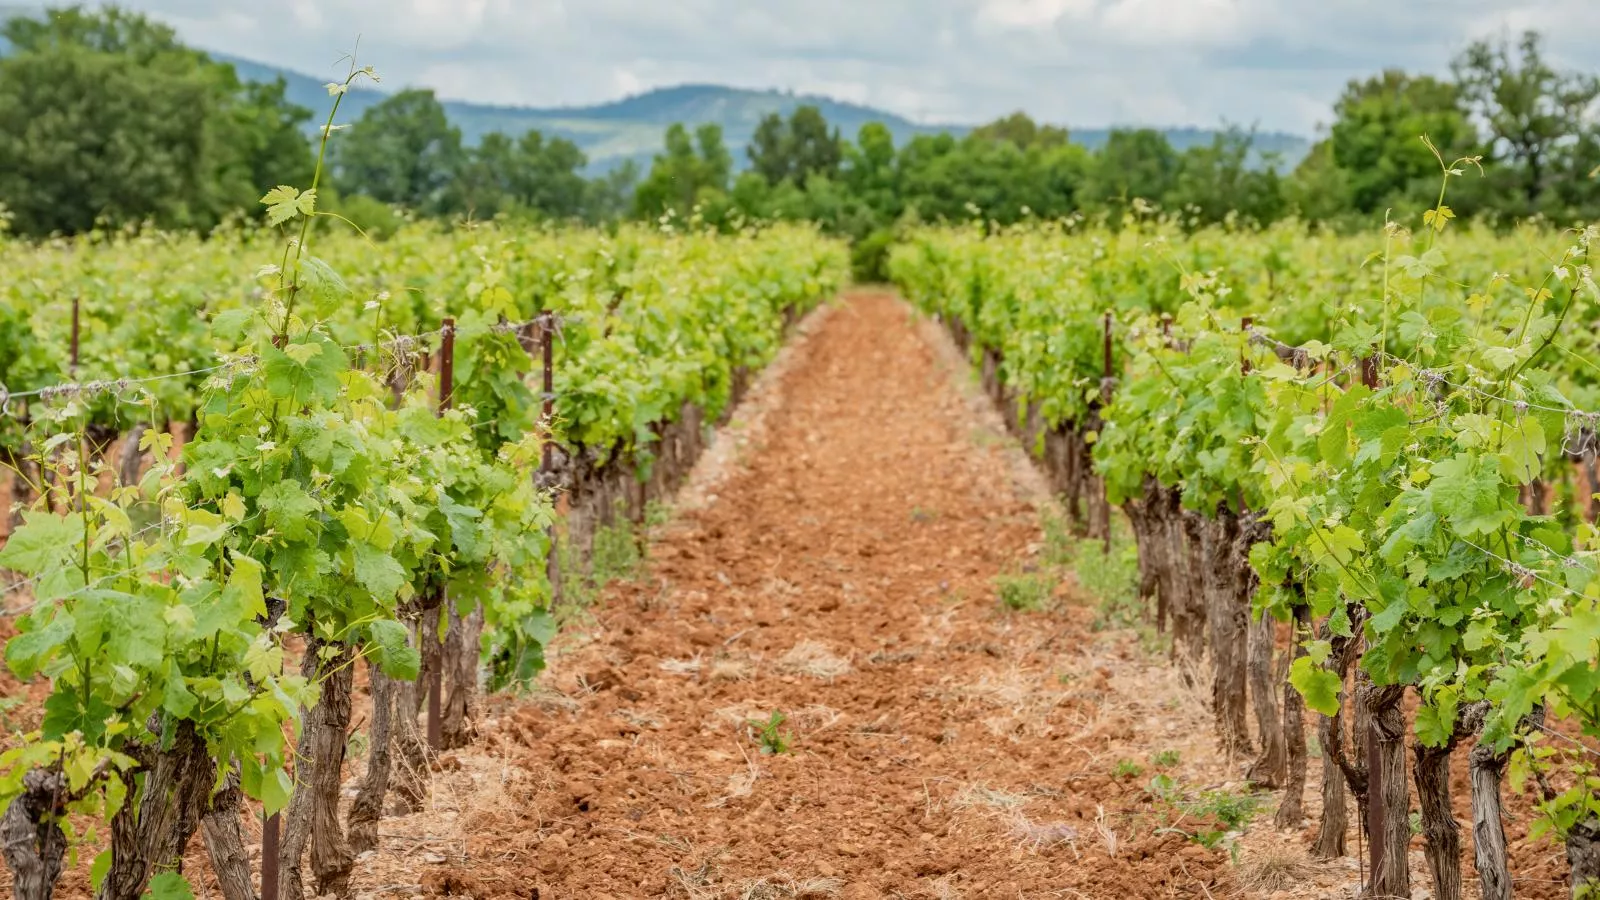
1127, 768
1218, 813
768, 737
1165, 759
7, 704
1229, 809
1164, 787
618, 553
1113, 579
1024, 592
656, 514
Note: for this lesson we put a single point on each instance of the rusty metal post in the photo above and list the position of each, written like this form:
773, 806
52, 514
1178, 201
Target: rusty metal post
547, 350
447, 374
75, 336
1377, 816
1105, 400
547, 339
270, 830
1245, 324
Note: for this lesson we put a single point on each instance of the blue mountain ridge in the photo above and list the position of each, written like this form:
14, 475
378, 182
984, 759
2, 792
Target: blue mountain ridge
632, 128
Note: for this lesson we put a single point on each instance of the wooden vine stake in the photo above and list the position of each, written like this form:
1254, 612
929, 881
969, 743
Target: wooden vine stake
272, 828
1376, 814
447, 375
547, 349
1105, 400
75, 334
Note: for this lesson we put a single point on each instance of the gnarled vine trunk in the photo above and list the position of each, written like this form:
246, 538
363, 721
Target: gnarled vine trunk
1391, 875
1141, 522
1442, 836
1340, 769
131, 465
367, 809
225, 842
1181, 580
1583, 855
313, 815
1489, 852
150, 832
1268, 770
1226, 621
1292, 809
408, 762
460, 664
1485, 770
1072, 476
31, 836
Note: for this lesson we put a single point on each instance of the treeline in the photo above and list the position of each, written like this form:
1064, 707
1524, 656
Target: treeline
106, 117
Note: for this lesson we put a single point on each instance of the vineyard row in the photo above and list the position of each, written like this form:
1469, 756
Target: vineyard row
1379, 464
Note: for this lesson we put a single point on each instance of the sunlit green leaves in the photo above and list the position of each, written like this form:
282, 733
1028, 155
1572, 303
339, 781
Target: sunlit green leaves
284, 203
45, 541
390, 648
1318, 685
1465, 491
306, 372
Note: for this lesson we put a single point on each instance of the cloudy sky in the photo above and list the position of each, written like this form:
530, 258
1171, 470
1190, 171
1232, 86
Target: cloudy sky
1277, 63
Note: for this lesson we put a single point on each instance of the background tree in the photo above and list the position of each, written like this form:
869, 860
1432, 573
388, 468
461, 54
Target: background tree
402, 151
1020, 129
690, 171
1217, 181
610, 196
1376, 138
869, 172
1133, 164
549, 182
795, 150
105, 115
1537, 118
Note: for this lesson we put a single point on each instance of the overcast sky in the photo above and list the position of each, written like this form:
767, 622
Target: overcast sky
1278, 63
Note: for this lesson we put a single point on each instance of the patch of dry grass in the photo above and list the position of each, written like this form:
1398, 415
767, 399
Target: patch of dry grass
981, 795
732, 668
786, 887
1274, 869
688, 666
813, 659
1042, 835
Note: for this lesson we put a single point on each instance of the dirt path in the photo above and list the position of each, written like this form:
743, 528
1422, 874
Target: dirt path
842, 574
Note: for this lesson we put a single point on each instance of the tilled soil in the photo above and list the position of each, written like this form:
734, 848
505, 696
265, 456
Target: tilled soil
844, 577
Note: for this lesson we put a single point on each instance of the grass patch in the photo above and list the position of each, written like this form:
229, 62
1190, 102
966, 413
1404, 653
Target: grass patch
1111, 578
1127, 768
767, 735
1211, 817
1025, 591
618, 553
1166, 759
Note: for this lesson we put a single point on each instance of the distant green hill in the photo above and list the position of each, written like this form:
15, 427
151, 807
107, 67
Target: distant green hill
633, 128
611, 133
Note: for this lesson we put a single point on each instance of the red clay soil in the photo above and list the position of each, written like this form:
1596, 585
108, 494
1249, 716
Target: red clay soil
844, 577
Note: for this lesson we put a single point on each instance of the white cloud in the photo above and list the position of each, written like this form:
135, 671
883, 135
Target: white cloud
1277, 63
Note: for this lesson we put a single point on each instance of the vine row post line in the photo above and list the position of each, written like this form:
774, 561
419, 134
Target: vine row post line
1105, 401
1246, 323
1376, 814
447, 375
547, 349
75, 336
81, 502
272, 828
